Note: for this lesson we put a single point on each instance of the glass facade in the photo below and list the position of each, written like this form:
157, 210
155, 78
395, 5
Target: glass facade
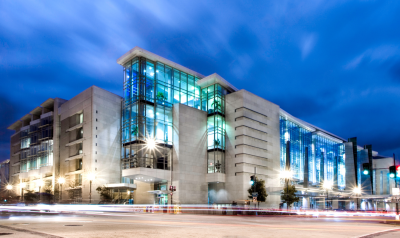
213, 102
325, 156
37, 145
150, 90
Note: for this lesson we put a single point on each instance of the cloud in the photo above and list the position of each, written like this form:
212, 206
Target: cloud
329, 63
307, 45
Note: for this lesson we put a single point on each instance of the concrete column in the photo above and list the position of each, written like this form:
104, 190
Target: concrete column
306, 203
335, 204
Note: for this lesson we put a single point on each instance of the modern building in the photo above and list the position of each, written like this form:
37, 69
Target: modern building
199, 134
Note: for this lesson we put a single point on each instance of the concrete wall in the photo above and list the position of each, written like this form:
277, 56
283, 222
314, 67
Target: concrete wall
256, 125
141, 195
349, 165
101, 138
189, 155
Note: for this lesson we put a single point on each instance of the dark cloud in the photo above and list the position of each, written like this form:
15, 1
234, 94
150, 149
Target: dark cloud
334, 64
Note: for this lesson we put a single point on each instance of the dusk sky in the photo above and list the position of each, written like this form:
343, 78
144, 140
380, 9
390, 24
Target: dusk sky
334, 64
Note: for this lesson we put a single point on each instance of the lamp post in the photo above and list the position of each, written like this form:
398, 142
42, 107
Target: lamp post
22, 185
61, 181
91, 177
9, 187
40, 184
287, 175
357, 191
327, 185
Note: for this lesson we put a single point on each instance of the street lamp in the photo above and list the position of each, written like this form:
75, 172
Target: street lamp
287, 175
91, 177
40, 184
151, 143
327, 185
357, 191
22, 185
9, 187
61, 181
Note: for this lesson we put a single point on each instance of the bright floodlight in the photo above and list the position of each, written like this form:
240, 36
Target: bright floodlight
39, 183
151, 143
9, 187
286, 174
357, 190
22, 185
61, 180
91, 176
327, 185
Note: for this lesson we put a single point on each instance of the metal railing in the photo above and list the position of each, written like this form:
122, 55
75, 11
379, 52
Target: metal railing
145, 162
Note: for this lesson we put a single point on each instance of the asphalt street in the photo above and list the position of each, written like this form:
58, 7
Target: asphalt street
147, 225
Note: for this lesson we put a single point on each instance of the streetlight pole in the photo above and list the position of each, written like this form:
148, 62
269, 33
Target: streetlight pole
90, 192
40, 183
9, 187
61, 181
357, 191
22, 185
91, 177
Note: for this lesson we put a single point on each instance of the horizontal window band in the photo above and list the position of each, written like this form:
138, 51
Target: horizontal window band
251, 155
251, 110
251, 146
251, 164
251, 119
251, 128
250, 137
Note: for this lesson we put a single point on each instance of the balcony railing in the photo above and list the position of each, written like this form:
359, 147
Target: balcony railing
145, 162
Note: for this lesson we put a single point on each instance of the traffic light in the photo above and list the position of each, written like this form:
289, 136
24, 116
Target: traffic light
252, 179
392, 171
365, 168
398, 171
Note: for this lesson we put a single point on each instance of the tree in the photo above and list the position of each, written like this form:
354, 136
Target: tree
104, 193
288, 195
217, 105
160, 96
258, 187
30, 197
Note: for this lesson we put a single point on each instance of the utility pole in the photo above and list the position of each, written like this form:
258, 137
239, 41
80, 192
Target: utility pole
395, 184
255, 182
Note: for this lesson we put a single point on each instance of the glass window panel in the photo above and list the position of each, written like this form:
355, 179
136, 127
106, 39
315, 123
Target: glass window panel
160, 72
176, 79
168, 75
183, 98
176, 96
149, 128
191, 84
150, 111
197, 103
149, 70
160, 131
184, 81
191, 100
134, 111
168, 135
168, 114
160, 113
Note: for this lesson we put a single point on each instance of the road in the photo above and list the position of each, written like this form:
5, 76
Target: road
183, 225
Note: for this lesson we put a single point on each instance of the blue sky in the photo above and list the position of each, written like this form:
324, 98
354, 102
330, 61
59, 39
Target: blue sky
335, 64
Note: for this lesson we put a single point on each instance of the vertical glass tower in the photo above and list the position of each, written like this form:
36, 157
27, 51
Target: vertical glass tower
213, 102
150, 90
